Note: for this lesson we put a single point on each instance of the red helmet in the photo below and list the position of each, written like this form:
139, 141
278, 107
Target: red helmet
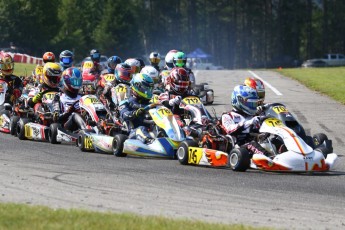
6, 64
48, 57
123, 73
256, 84
178, 81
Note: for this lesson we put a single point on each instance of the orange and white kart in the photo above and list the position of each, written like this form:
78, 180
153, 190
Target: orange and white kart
289, 152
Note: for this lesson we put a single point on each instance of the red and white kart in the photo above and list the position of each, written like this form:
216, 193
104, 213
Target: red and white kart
289, 152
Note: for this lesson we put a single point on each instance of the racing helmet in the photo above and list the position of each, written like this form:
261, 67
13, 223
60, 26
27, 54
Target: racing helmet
72, 80
48, 57
66, 58
6, 64
51, 74
95, 55
245, 99
134, 64
180, 59
178, 81
142, 86
123, 73
152, 72
142, 63
112, 62
169, 59
257, 84
155, 58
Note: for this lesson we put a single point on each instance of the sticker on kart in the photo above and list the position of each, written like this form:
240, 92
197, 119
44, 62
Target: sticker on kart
273, 122
280, 109
191, 101
204, 156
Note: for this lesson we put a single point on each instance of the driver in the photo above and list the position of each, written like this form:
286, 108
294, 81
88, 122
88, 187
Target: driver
241, 119
51, 79
132, 110
14, 83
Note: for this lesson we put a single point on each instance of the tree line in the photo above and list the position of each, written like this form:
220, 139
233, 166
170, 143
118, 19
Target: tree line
237, 33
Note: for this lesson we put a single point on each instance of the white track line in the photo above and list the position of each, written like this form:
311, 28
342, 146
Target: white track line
266, 83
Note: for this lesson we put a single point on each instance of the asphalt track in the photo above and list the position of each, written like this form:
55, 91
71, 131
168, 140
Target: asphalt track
60, 176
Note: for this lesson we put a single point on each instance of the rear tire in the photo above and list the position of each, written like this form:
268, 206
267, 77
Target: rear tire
118, 143
239, 159
182, 151
52, 134
13, 125
319, 138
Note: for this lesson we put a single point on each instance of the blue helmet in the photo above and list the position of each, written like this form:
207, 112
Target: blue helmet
72, 80
66, 59
142, 85
245, 99
112, 62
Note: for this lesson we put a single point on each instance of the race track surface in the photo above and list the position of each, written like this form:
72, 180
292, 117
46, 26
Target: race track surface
60, 176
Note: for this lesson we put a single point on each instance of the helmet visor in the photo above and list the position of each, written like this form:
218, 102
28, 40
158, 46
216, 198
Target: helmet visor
76, 83
66, 60
124, 75
7, 65
53, 79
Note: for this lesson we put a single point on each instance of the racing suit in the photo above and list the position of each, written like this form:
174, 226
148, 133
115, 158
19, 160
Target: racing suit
65, 105
132, 112
240, 125
38, 97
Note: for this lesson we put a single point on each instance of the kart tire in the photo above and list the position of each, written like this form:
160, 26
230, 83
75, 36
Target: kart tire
52, 133
13, 125
182, 151
319, 138
118, 141
209, 102
81, 141
239, 159
20, 130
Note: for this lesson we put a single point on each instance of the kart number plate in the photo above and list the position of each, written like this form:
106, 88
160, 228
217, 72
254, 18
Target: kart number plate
48, 96
88, 143
121, 89
273, 122
109, 77
91, 100
280, 109
194, 155
191, 101
88, 65
164, 112
39, 70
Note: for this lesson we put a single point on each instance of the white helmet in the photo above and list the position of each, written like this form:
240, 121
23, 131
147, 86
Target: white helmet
134, 64
152, 72
169, 59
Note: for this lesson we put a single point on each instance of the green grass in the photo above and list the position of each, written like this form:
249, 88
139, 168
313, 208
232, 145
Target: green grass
328, 81
15, 216
21, 69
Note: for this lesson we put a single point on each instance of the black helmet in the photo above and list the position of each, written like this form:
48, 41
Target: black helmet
95, 55
142, 63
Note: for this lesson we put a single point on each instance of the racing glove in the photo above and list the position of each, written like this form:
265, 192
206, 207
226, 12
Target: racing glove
139, 112
175, 101
37, 97
255, 121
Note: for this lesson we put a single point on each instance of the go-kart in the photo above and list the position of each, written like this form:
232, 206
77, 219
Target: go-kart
288, 151
89, 78
204, 92
208, 146
165, 130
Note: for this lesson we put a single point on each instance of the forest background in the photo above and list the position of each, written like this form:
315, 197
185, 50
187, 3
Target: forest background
237, 33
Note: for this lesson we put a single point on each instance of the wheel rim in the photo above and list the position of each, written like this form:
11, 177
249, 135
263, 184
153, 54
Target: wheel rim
233, 159
181, 153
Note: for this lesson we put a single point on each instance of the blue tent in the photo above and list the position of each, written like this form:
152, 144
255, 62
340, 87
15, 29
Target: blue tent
198, 53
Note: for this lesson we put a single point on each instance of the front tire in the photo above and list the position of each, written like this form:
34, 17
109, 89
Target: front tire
13, 125
20, 130
319, 138
239, 159
182, 151
118, 143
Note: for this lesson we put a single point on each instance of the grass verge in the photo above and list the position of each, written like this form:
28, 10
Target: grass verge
328, 81
21, 69
15, 216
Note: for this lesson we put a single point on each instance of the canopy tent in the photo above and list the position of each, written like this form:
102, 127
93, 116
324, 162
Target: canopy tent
198, 53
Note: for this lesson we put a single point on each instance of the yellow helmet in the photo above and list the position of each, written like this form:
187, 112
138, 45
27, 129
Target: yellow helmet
6, 64
51, 74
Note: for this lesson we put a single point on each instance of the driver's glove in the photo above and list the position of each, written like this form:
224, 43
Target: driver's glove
37, 97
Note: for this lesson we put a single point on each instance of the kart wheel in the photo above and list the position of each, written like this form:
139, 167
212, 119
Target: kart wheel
209, 98
239, 159
53, 132
319, 138
182, 151
84, 144
118, 141
13, 125
21, 128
